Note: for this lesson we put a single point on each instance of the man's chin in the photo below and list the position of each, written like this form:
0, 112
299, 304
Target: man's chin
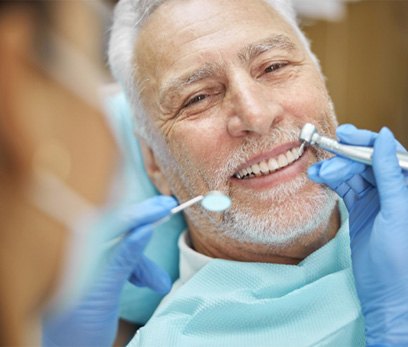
281, 215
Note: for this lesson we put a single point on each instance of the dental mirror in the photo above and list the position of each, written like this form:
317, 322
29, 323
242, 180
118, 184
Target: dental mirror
216, 201
213, 201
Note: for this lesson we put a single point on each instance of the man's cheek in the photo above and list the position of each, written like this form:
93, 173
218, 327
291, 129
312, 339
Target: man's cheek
307, 102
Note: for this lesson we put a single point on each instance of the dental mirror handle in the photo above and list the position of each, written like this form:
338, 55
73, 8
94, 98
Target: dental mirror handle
213, 201
178, 209
357, 153
184, 205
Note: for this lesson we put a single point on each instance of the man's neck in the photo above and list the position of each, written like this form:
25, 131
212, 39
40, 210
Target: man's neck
216, 246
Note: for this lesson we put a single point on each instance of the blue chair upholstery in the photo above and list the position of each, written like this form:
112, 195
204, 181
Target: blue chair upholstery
138, 304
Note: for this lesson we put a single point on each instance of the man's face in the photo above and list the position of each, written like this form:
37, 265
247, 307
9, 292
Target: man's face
228, 86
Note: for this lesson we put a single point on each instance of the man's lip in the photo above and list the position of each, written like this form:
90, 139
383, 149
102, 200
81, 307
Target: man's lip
268, 155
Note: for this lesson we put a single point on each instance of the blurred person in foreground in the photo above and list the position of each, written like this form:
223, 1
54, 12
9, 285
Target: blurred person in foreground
61, 168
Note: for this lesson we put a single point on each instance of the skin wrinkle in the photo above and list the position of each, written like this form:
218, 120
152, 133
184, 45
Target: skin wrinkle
174, 87
169, 113
254, 115
246, 55
275, 42
279, 41
130, 17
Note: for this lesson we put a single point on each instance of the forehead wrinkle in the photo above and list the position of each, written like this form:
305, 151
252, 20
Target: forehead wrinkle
176, 85
253, 50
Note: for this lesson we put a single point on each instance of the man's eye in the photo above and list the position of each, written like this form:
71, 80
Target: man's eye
195, 100
275, 67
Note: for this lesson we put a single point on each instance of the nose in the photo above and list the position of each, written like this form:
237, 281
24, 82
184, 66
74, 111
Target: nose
252, 109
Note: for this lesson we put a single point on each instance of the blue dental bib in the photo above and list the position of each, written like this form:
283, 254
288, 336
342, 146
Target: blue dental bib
229, 303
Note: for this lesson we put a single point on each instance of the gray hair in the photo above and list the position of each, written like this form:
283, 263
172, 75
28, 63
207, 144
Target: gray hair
129, 17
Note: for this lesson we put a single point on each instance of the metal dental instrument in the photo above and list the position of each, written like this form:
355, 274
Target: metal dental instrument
213, 201
310, 136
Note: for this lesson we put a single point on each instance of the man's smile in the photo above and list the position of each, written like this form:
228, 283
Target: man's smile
267, 166
267, 163
274, 167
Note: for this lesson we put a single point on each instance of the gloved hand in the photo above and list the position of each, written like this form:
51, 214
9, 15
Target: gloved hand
94, 322
377, 200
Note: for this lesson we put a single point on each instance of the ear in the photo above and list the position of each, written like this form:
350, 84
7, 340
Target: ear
153, 170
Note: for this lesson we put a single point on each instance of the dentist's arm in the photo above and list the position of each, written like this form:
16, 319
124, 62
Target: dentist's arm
377, 200
95, 321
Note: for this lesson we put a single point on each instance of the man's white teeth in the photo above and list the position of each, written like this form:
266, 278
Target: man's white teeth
282, 160
266, 167
256, 169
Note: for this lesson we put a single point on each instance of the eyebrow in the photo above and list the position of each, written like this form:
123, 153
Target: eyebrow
253, 50
177, 84
247, 54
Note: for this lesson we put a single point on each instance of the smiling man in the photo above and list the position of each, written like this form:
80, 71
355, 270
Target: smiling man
220, 90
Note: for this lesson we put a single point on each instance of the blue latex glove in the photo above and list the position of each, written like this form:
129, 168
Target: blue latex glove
377, 200
94, 322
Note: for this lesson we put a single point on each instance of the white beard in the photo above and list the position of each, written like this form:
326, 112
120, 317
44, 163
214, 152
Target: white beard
288, 221
295, 212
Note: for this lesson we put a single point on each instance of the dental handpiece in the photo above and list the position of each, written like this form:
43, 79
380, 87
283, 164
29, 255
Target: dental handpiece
310, 136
